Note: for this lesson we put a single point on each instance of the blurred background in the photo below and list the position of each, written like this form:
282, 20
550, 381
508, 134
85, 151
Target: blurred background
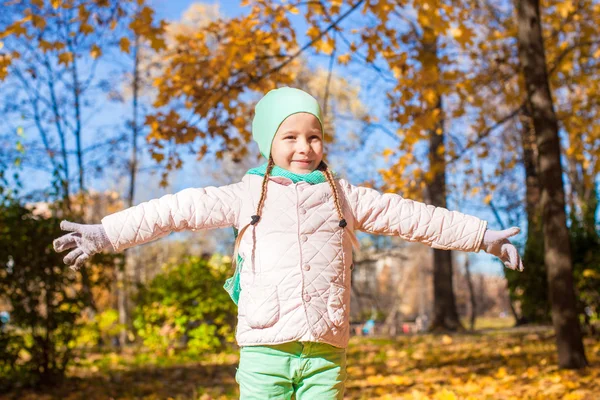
486, 107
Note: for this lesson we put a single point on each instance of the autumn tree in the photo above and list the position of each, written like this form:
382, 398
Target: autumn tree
215, 112
54, 55
556, 237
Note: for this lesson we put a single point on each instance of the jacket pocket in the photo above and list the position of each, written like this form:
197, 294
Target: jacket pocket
262, 306
336, 304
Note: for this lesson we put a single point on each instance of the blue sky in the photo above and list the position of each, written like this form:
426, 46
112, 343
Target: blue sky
173, 9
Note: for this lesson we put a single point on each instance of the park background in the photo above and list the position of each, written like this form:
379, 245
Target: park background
461, 104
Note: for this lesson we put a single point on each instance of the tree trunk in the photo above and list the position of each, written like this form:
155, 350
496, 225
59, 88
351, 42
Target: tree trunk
444, 304
557, 256
532, 283
472, 299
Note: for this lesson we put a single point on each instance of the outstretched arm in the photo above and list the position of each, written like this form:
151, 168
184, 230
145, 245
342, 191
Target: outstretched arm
390, 214
193, 209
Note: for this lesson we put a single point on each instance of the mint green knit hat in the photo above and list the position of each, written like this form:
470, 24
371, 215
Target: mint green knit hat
274, 108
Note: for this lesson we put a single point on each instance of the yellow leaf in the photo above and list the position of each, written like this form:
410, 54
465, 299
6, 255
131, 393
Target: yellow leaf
430, 96
387, 153
446, 339
344, 59
445, 394
325, 46
463, 35
488, 199
38, 22
576, 395
1, 45
565, 7
157, 43
501, 373
294, 10
65, 58
55, 4
590, 273
249, 57
313, 32
58, 45
124, 44
95, 51
455, 32
567, 66
24, 355
86, 29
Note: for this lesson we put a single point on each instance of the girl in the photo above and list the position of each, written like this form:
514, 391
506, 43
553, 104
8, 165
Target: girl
298, 222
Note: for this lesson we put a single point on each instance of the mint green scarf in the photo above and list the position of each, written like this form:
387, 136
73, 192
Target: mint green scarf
232, 285
312, 177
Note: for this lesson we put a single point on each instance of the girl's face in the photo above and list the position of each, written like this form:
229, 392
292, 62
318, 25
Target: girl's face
298, 144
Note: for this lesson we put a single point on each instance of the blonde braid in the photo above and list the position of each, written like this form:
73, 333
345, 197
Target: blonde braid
256, 217
327, 172
263, 194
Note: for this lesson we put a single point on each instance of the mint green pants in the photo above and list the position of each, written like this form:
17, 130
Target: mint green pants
308, 370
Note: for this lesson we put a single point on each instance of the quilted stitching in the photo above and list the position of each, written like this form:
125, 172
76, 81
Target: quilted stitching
264, 303
203, 208
390, 214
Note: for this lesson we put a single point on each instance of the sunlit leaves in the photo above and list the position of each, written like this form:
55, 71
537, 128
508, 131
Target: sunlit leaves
124, 44
95, 51
500, 365
210, 69
325, 45
344, 59
5, 62
65, 58
144, 25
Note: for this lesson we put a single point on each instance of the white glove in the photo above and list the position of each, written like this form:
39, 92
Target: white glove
86, 239
497, 243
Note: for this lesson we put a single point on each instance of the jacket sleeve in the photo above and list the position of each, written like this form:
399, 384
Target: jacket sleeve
390, 214
193, 209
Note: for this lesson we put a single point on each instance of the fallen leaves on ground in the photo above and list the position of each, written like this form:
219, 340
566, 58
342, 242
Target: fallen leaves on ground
503, 364
508, 364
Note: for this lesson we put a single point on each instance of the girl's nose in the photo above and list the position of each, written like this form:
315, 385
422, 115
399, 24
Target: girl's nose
303, 146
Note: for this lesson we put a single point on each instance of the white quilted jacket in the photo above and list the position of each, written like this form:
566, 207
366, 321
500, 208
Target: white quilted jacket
295, 278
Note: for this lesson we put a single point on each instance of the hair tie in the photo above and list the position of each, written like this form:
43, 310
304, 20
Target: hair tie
255, 219
343, 223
